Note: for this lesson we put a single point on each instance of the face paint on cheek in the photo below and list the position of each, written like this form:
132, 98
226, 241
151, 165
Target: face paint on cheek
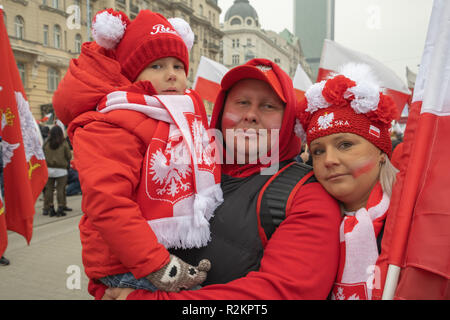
363, 166
230, 120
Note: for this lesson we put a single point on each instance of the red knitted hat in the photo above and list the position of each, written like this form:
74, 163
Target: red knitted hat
350, 101
150, 36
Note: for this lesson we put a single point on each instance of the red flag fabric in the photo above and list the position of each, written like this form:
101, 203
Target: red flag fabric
417, 232
25, 171
301, 82
208, 78
334, 55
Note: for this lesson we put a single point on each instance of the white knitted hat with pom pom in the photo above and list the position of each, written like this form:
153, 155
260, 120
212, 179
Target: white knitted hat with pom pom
150, 36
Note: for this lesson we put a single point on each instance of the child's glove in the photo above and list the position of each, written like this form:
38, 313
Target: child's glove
177, 275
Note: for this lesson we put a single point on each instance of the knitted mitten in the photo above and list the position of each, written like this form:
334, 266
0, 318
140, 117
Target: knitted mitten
177, 275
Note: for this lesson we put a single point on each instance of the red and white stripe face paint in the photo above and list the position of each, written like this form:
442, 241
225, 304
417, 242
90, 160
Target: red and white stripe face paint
251, 120
347, 166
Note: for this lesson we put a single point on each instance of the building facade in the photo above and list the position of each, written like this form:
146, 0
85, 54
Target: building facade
244, 39
313, 23
46, 34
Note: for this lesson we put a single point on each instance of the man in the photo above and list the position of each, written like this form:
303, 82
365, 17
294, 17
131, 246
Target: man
258, 253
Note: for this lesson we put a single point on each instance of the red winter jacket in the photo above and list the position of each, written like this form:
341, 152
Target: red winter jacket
108, 153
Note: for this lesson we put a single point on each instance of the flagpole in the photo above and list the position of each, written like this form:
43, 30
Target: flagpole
391, 282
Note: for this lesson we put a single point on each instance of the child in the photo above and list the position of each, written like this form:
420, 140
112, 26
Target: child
141, 156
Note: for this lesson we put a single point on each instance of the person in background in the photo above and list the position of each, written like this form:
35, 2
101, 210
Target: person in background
3, 260
57, 155
347, 120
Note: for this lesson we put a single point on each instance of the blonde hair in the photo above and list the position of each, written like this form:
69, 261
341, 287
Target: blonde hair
387, 176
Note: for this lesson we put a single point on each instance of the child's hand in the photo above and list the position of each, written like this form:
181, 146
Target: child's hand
117, 293
177, 275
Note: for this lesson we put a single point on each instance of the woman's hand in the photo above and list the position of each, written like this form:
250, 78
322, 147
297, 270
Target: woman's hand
117, 293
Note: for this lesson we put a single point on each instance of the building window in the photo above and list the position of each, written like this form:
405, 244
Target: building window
201, 10
249, 42
55, 4
78, 42
237, 43
235, 21
19, 26
233, 43
249, 22
277, 60
45, 42
22, 73
235, 58
57, 36
52, 79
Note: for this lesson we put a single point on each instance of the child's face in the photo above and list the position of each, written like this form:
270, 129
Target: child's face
167, 76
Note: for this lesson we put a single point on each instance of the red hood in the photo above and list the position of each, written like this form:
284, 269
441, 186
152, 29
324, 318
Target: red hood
290, 145
89, 78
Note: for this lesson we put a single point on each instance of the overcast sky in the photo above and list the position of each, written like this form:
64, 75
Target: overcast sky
393, 32
273, 15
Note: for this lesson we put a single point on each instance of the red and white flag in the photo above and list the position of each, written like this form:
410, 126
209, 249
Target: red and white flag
416, 241
45, 118
208, 78
334, 55
25, 171
301, 82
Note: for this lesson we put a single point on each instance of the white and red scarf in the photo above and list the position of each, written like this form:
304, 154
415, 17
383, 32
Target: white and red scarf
358, 273
180, 181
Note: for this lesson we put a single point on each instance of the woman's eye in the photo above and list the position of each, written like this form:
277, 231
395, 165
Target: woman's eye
345, 145
316, 152
179, 67
155, 66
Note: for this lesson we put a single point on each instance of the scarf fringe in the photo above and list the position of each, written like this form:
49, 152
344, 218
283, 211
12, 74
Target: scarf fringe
205, 203
186, 232
179, 232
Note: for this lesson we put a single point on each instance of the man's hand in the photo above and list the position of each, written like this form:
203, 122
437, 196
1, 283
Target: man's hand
117, 293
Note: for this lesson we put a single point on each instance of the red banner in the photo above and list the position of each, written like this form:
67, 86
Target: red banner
25, 171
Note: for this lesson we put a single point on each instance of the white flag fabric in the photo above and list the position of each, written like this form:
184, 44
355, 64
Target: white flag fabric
208, 78
335, 55
301, 82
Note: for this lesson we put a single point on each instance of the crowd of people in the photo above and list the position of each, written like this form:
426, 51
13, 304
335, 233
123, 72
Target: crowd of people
273, 198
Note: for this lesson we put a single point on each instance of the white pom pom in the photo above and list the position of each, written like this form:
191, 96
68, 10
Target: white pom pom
184, 31
366, 92
315, 98
359, 72
108, 29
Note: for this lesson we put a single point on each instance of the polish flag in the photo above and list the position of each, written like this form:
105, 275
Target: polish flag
45, 118
416, 241
24, 167
334, 55
301, 82
208, 78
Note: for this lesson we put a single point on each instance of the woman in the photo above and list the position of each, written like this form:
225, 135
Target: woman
347, 120
255, 112
57, 155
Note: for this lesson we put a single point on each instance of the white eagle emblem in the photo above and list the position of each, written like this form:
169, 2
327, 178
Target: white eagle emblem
170, 171
325, 121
